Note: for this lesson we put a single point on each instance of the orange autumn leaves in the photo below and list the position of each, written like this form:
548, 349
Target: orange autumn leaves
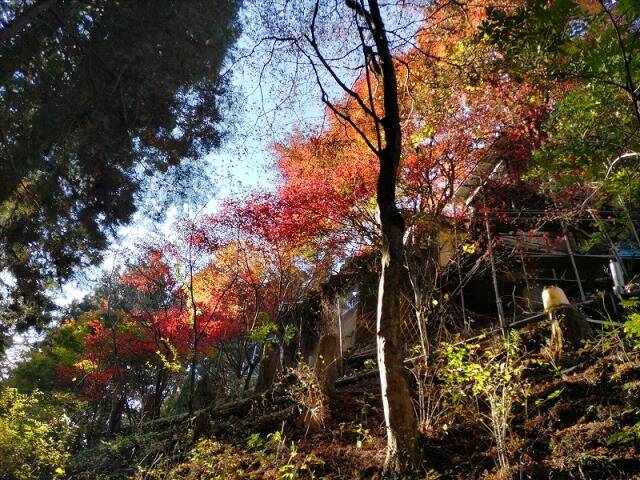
457, 110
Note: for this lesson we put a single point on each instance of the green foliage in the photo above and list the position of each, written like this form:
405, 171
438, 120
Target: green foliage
275, 438
264, 328
172, 364
146, 452
632, 323
213, 459
553, 395
255, 442
489, 381
62, 347
362, 435
370, 363
588, 59
290, 332
587, 130
35, 435
299, 468
534, 34
563, 39
209, 458
482, 371
625, 437
271, 444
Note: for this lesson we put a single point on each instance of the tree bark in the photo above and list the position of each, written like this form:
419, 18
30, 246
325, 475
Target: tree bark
399, 416
400, 420
115, 414
268, 367
328, 363
157, 393
194, 353
569, 328
118, 397
250, 371
396, 396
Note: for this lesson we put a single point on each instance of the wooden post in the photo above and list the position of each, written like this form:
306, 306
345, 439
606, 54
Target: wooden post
339, 324
583, 298
493, 274
526, 280
465, 320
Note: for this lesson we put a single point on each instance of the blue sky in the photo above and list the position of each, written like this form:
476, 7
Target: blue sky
243, 164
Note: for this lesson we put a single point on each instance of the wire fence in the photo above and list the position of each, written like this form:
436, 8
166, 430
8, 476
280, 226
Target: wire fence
520, 257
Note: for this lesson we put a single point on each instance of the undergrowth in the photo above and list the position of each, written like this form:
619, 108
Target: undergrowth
491, 408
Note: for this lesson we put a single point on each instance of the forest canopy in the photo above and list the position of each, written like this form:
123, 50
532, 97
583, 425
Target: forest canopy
97, 99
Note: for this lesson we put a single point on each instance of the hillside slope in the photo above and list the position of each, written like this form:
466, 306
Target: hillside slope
580, 418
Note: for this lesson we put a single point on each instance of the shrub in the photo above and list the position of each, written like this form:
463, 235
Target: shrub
307, 393
35, 435
632, 323
492, 379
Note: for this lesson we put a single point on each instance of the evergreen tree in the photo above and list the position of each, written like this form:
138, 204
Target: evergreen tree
98, 99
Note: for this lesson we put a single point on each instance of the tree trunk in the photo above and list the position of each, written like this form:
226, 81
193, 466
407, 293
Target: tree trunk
115, 414
118, 396
328, 363
194, 353
157, 394
92, 425
569, 328
192, 370
399, 416
396, 396
250, 371
201, 425
268, 367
